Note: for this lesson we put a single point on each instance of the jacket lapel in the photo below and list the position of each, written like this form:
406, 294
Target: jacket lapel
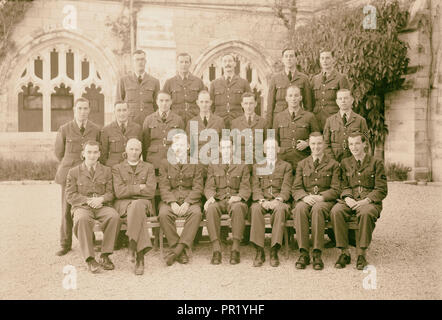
299, 115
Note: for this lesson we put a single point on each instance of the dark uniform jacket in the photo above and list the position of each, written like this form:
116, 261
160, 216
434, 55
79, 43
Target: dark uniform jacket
277, 91
184, 94
69, 144
113, 141
155, 131
80, 185
336, 134
141, 98
368, 181
227, 97
180, 183
241, 123
323, 180
271, 186
224, 181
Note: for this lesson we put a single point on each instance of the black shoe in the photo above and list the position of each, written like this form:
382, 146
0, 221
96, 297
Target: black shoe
343, 260
183, 258
274, 260
106, 263
317, 261
170, 258
303, 261
93, 265
139, 265
259, 258
361, 263
63, 251
234, 257
216, 258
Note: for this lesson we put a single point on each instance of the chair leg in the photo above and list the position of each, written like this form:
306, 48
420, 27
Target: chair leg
156, 232
161, 236
286, 239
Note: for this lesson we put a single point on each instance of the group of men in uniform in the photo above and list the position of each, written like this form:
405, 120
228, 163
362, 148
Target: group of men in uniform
317, 167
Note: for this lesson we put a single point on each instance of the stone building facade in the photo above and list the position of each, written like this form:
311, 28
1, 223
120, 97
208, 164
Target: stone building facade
65, 49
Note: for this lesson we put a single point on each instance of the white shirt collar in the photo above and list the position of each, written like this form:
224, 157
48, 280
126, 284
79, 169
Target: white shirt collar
207, 115
89, 168
119, 124
79, 123
160, 113
361, 159
320, 158
348, 113
138, 75
133, 163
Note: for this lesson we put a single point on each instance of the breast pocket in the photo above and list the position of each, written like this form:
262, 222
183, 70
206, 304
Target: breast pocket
280, 92
302, 131
235, 182
192, 95
100, 186
177, 95
147, 94
220, 181
74, 145
326, 179
188, 180
173, 182
220, 97
263, 182
284, 131
116, 145
237, 93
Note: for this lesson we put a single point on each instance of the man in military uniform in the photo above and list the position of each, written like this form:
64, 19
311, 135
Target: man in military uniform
226, 91
134, 185
114, 136
270, 193
340, 125
156, 129
281, 81
68, 146
227, 190
249, 120
315, 190
184, 88
325, 86
181, 188
139, 89
89, 191
364, 186
293, 127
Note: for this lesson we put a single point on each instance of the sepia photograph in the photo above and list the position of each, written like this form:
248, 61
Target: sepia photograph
220, 153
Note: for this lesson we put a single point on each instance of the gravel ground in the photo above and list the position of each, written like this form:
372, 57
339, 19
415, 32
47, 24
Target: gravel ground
406, 252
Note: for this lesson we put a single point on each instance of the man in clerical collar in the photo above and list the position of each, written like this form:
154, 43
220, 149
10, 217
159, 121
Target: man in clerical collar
281, 81
115, 135
68, 145
138, 89
227, 190
270, 193
315, 190
184, 88
134, 185
156, 129
181, 187
325, 86
226, 91
293, 127
364, 186
340, 125
89, 190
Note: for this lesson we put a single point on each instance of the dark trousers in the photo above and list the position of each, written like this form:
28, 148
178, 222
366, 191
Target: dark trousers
67, 222
257, 232
237, 212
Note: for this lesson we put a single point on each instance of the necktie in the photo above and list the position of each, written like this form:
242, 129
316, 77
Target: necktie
82, 129
205, 121
140, 79
324, 77
316, 163
92, 172
293, 116
344, 119
249, 121
290, 75
164, 116
228, 80
359, 164
123, 128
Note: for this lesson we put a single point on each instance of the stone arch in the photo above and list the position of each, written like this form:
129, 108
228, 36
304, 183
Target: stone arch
252, 53
12, 68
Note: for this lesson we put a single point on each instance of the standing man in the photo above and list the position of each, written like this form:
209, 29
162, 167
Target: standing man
340, 125
68, 145
226, 91
270, 192
184, 88
89, 191
315, 190
281, 81
134, 185
364, 186
249, 120
293, 127
138, 89
156, 128
115, 135
227, 190
325, 86
181, 188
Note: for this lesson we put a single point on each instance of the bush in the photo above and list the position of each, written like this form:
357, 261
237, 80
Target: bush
397, 171
12, 170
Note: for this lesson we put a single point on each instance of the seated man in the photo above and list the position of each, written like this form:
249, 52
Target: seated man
134, 186
181, 188
89, 191
270, 191
315, 190
364, 186
227, 190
